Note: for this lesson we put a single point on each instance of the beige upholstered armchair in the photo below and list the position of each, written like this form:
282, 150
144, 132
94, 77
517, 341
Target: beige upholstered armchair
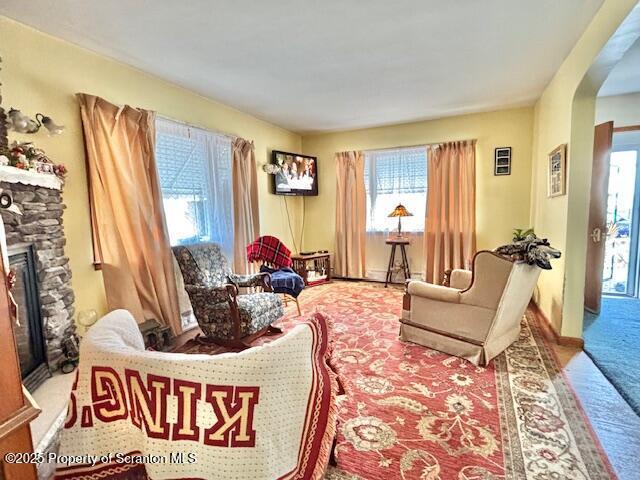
478, 316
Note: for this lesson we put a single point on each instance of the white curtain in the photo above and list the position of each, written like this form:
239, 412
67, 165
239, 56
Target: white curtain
394, 176
195, 176
194, 167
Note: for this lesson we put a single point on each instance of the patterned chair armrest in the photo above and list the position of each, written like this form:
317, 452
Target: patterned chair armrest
211, 295
262, 279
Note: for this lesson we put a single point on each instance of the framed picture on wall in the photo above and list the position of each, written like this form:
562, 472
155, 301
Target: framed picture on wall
502, 161
558, 171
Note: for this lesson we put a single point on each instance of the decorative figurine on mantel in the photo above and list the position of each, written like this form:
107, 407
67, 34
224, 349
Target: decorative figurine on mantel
25, 156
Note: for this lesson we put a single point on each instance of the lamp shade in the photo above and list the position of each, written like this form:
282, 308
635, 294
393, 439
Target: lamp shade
400, 211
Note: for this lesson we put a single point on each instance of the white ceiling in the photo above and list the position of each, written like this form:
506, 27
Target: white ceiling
625, 76
319, 65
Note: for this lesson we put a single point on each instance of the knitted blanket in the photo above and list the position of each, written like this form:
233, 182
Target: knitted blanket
270, 250
265, 413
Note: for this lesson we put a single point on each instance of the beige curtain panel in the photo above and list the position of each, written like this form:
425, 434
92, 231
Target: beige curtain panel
450, 226
350, 215
128, 223
246, 219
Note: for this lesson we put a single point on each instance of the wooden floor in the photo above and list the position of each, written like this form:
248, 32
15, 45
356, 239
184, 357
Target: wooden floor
615, 423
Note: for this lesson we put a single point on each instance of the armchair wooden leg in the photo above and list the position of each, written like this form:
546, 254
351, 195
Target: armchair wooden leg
234, 311
406, 301
288, 298
242, 343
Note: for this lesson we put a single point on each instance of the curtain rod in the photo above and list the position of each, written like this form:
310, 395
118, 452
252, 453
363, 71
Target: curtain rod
198, 127
164, 117
434, 144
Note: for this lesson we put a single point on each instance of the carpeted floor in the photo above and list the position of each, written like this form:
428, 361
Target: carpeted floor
414, 413
612, 340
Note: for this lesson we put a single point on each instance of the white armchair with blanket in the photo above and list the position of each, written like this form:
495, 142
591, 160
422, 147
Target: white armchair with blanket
478, 315
263, 413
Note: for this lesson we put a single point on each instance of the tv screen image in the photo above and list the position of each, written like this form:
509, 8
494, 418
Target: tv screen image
296, 174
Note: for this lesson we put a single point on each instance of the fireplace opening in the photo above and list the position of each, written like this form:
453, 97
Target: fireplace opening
32, 348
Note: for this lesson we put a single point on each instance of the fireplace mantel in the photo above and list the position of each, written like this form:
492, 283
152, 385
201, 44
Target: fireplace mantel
27, 177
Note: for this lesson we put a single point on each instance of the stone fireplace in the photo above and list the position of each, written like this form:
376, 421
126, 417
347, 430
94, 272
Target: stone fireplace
35, 243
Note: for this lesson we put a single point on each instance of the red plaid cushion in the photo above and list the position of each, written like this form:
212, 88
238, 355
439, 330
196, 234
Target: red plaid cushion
270, 250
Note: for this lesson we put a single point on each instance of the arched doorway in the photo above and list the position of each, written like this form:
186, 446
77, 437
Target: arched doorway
611, 322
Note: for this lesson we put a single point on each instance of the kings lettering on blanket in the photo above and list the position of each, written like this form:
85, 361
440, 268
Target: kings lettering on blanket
145, 404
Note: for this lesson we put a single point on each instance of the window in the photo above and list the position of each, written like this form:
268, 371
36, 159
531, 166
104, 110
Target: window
391, 177
195, 178
620, 243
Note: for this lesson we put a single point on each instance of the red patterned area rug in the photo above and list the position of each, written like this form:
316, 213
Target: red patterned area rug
413, 413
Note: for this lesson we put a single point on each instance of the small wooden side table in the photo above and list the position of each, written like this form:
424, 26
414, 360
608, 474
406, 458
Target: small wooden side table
315, 269
402, 243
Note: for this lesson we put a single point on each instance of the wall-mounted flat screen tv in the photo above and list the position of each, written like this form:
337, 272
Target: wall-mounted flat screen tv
296, 174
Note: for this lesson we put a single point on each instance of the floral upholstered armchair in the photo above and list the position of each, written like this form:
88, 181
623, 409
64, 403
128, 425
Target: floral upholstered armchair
225, 316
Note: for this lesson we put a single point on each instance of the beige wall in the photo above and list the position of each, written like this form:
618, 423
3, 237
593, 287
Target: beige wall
565, 114
41, 74
502, 202
624, 110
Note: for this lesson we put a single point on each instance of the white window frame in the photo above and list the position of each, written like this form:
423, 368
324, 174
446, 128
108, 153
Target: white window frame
208, 161
405, 181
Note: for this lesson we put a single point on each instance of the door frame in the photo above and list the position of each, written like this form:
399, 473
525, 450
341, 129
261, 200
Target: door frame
633, 289
597, 216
